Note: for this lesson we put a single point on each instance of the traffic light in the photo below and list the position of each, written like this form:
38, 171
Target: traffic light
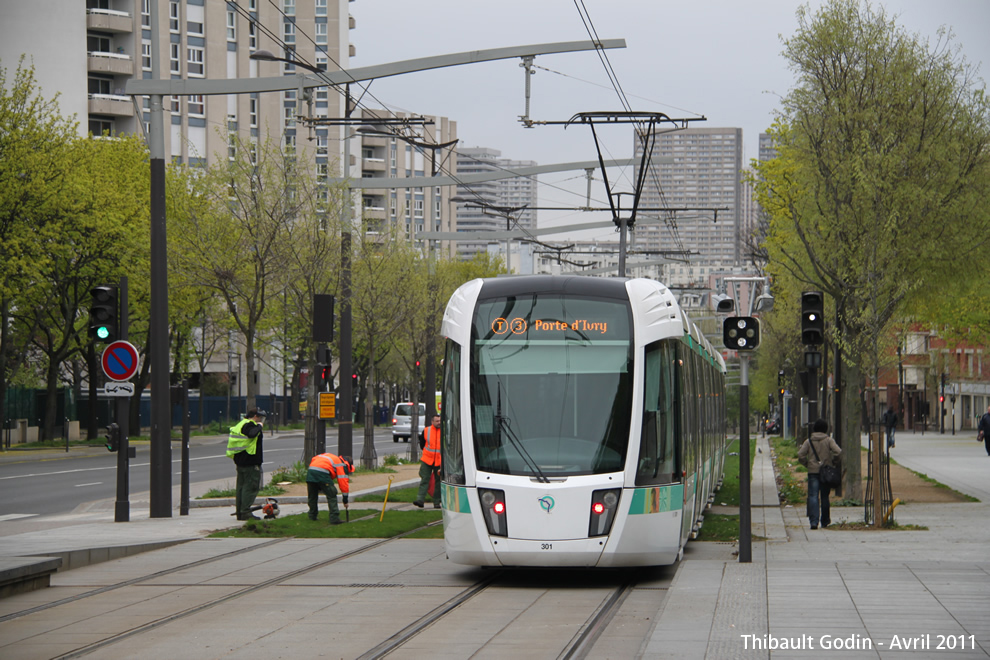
103, 313
324, 375
113, 437
741, 333
812, 318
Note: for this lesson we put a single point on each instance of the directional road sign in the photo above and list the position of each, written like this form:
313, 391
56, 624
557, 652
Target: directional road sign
120, 360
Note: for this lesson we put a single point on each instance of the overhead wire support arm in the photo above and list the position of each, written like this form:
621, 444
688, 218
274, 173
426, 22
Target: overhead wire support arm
646, 131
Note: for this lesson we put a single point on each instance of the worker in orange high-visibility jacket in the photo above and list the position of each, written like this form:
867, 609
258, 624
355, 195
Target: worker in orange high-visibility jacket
323, 470
429, 463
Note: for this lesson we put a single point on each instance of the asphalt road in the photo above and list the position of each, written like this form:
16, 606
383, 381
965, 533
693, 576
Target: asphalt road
52, 483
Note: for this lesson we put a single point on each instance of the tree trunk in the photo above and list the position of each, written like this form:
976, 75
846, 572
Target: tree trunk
852, 486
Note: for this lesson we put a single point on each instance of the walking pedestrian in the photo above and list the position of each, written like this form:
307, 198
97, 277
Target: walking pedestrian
244, 445
984, 429
889, 420
429, 465
820, 449
323, 470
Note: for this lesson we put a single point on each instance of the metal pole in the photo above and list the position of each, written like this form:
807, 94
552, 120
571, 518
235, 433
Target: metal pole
122, 505
184, 488
622, 246
345, 431
745, 501
161, 441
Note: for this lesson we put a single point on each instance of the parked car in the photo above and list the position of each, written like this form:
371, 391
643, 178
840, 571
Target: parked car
773, 425
402, 421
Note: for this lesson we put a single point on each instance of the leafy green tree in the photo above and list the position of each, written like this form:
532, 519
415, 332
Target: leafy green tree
383, 300
95, 231
235, 246
33, 139
880, 186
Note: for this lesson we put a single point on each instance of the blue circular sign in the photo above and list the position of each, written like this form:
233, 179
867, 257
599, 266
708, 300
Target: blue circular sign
120, 360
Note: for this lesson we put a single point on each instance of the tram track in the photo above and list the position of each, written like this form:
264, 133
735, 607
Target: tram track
577, 648
577, 609
190, 611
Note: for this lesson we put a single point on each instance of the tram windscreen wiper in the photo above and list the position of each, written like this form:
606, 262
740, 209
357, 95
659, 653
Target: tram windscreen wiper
502, 424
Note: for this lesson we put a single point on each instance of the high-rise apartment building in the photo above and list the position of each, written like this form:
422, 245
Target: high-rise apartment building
493, 205
695, 168
86, 52
385, 154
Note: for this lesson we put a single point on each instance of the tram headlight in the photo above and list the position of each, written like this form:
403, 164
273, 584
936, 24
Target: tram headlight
493, 509
604, 504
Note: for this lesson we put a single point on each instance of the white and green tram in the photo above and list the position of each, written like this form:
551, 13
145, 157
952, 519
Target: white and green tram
583, 423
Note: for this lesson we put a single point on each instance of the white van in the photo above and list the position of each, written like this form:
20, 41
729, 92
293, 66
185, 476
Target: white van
402, 420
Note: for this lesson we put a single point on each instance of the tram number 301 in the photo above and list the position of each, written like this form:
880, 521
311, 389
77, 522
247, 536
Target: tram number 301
546, 546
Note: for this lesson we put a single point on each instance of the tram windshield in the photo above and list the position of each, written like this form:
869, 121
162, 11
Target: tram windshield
551, 385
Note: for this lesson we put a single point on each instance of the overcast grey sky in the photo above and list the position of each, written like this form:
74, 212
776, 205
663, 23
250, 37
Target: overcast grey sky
718, 58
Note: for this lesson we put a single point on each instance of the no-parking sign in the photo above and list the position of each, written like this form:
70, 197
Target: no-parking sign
120, 360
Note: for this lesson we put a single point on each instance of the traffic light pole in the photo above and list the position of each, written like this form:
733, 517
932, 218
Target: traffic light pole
122, 505
745, 501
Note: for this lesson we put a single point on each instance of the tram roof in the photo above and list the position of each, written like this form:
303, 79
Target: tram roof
515, 285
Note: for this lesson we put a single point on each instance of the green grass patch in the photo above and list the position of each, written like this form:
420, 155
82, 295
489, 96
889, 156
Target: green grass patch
395, 495
719, 527
271, 490
788, 470
364, 524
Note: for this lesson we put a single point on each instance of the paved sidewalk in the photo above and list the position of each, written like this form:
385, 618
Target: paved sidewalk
846, 594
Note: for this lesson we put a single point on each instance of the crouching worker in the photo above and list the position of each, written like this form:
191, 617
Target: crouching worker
323, 470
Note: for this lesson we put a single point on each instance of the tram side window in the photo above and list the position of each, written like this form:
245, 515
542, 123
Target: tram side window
657, 450
450, 406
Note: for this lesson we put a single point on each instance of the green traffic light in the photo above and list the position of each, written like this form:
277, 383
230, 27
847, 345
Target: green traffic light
102, 332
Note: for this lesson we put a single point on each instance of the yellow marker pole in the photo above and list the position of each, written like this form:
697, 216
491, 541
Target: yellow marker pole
385, 503
891, 509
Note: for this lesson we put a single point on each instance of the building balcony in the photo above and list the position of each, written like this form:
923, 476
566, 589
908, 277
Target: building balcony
118, 64
373, 164
108, 20
373, 212
111, 104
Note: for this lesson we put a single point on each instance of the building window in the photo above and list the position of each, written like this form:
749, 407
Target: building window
321, 7
289, 32
146, 56
196, 106
252, 36
96, 43
321, 145
231, 146
173, 17
231, 26
289, 7
194, 28
99, 126
253, 113
100, 86
194, 61
290, 117
173, 58
321, 33
146, 13
290, 145
174, 105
